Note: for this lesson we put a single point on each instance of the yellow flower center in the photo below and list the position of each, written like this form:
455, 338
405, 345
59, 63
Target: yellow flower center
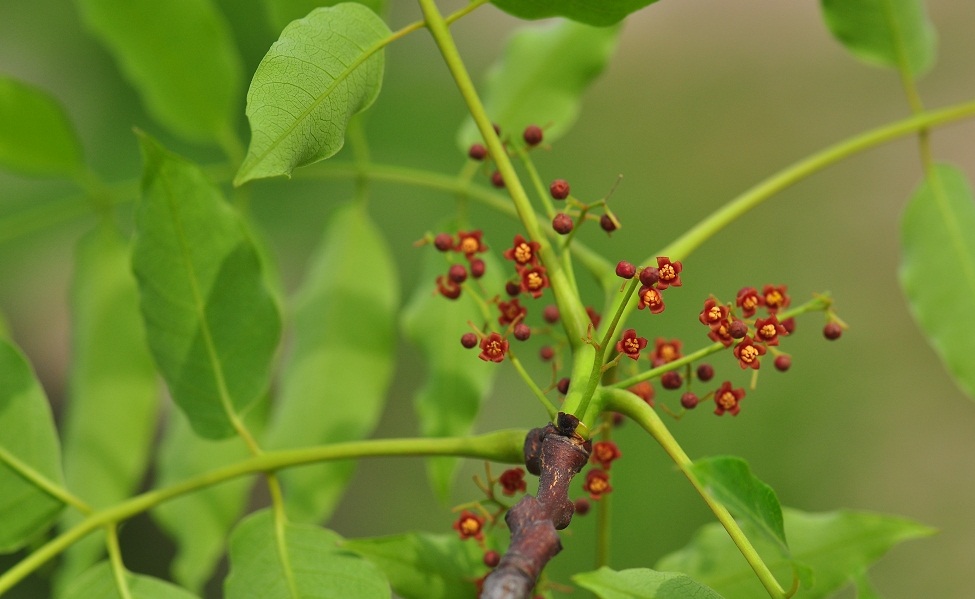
597, 485
523, 253
666, 272
631, 346
773, 298
750, 302
768, 331
714, 313
749, 353
470, 245
727, 400
470, 526
534, 280
667, 353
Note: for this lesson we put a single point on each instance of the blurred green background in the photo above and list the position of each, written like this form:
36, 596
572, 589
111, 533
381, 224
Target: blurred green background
703, 100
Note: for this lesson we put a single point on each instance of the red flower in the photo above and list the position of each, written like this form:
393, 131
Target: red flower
668, 273
604, 452
769, 329
597, 484
533, 280
665, 351
511, 312
722, 334
749, 300
650, 298
727, 399
747, 353
713, 314
469, 242
493, 348
470, 526
512, 481
522, 251
644, 390
775, 298
630, 344
447, 287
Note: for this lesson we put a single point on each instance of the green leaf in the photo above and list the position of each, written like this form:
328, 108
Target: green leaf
198, 522
179, 55
730, 481
837, 546
36, 136
323, 69
424, 566
28, 449
600, 14
99, 583
282, 12
541, 77
642, 583
891, 33
335, 381
212, 324
110, 417
309, 563
938, 268
457, 381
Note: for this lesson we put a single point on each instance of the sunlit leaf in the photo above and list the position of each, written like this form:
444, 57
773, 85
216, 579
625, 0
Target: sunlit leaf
110, 417
457, 381
36, 136
837, 546
212, 324
282, 12
642, 583
938, 268
602, 13
335, 382
542, 76
28, 443
892, 33
424, 566
304, 561
179, 55
323, 69
99, 583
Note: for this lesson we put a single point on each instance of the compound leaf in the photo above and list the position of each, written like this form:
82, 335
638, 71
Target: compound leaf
323, 69
282, 12
642, 583
36, 136
938, 268
212, 324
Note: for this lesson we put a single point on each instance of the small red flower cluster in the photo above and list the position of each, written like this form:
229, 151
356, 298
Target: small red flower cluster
532, 277
468, 243
655, 279
751, 339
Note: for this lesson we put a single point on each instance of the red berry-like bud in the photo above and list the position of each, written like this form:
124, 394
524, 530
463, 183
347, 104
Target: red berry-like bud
562, 223
457, 273
689, 400
512, 288
443, 241
532, 135
581, 506
782, 363
649, 275
559, 189
477, 152
832, 331
671, 380
468, 340
705, 372
607, 223
546, 353
497, 180
551, 314
789, 324
522, 331
563, 385
625, 270
492, 559
738, 329
477, 268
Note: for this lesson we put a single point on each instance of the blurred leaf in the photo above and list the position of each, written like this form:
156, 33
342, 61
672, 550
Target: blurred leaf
110, 417
212, 324
642, 583
602, 13
282, 12
179, 55
457, 381
730, 481
99, 583
28, 442
837, 546
422, 565
36, 136
323, 69
198, 522
316, 566
938, 268
541, 78
891, 33
335, 381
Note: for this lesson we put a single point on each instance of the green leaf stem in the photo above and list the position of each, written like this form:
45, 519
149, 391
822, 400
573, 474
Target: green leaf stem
335, 381
642, 583
36, 136
323, 69
602, 13
212, 324
938, 268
